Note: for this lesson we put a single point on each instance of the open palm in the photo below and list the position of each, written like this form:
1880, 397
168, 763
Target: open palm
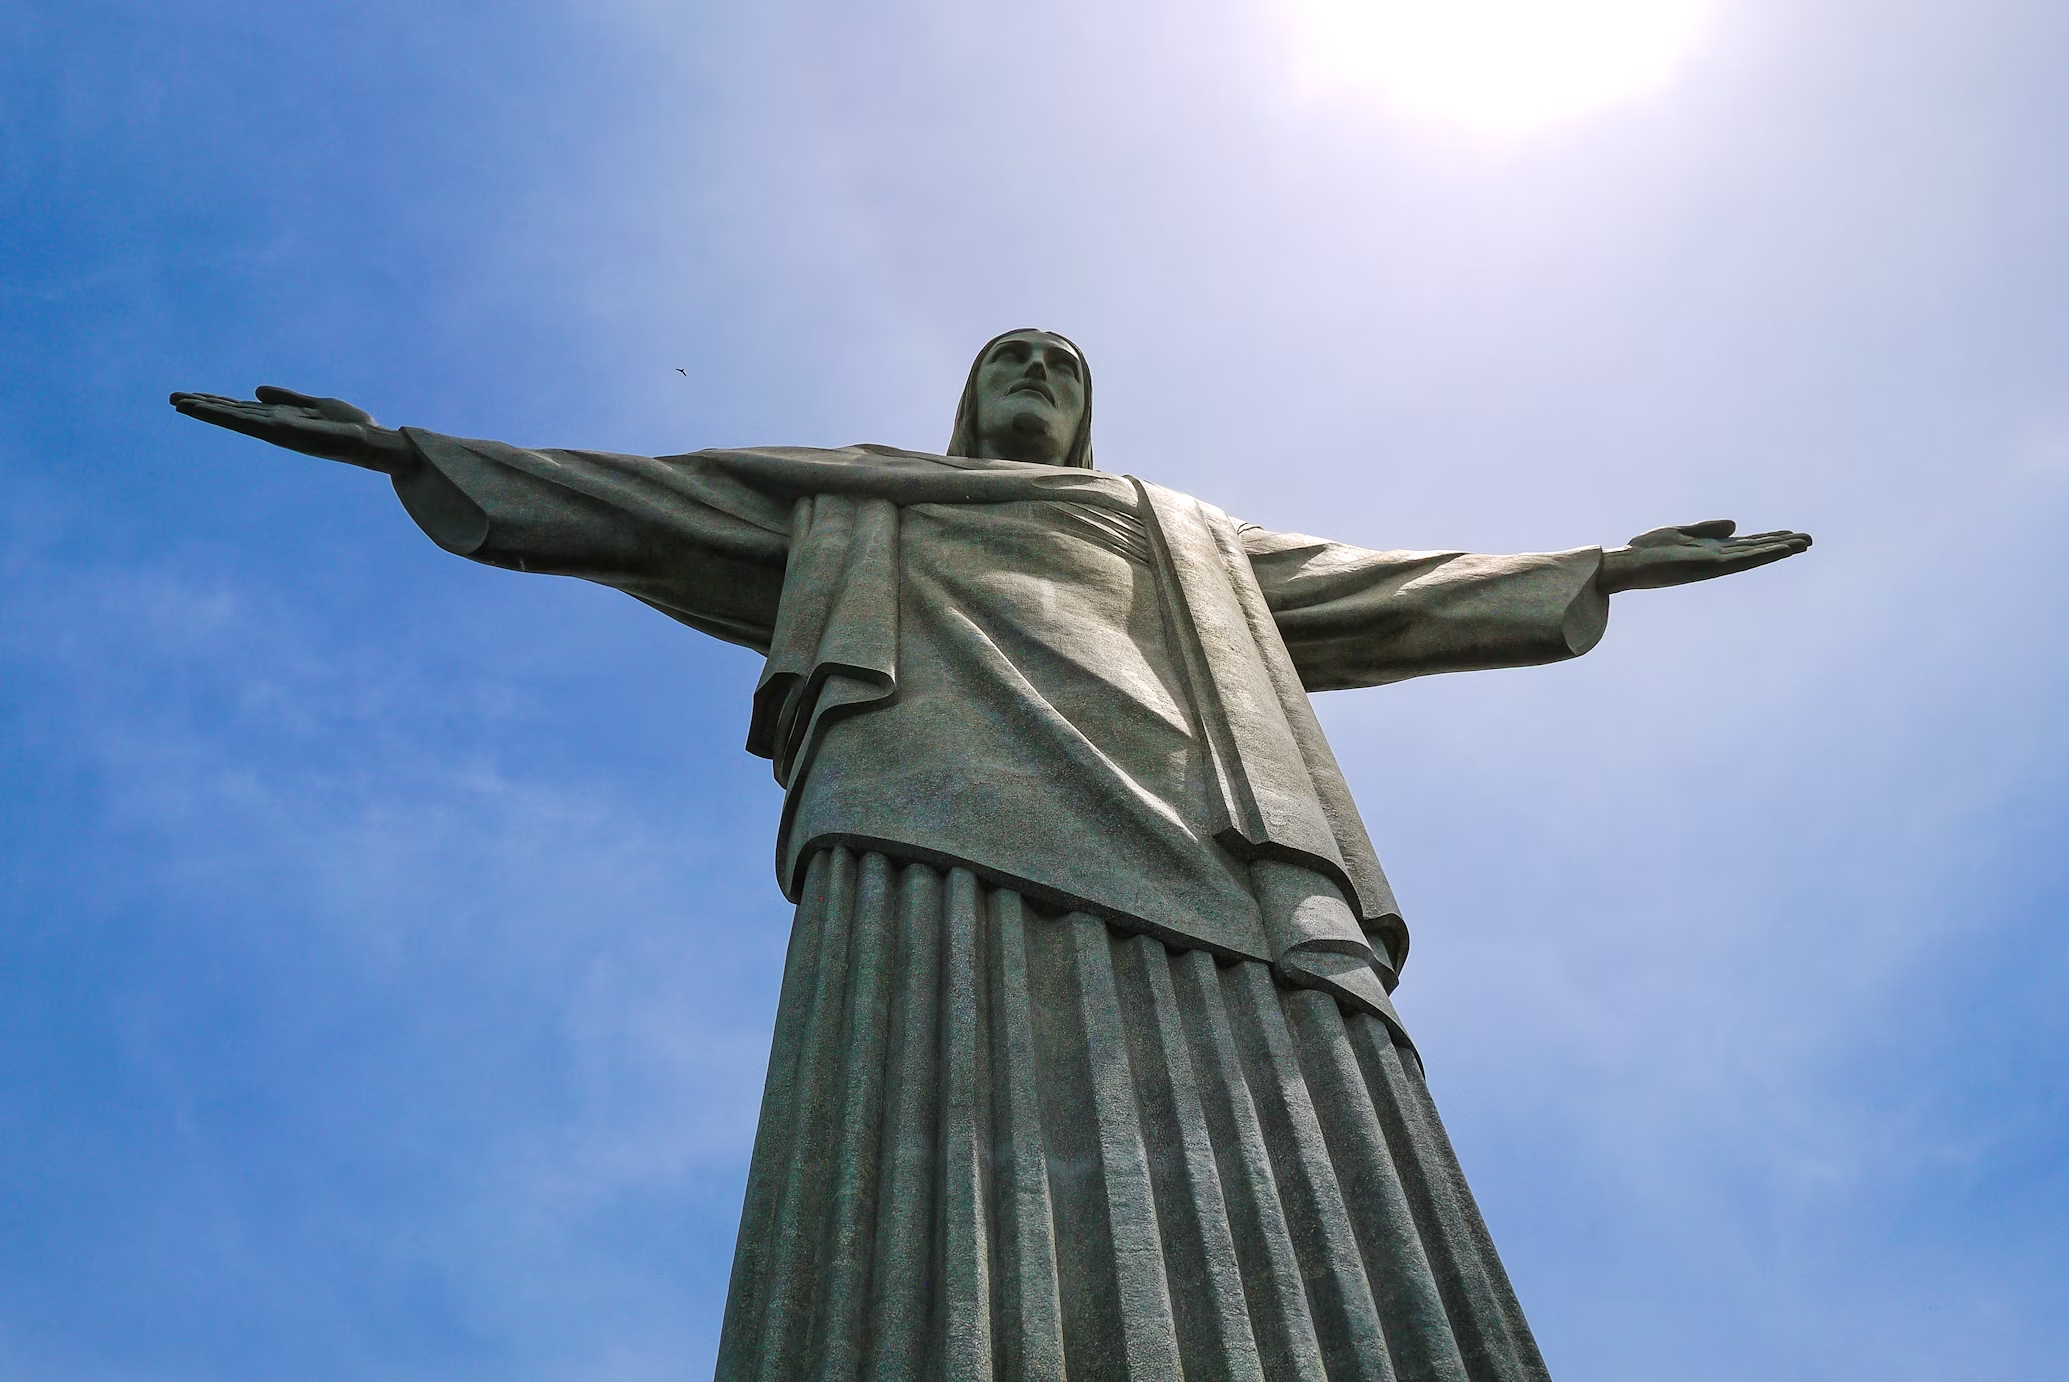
1694, 552
327, 427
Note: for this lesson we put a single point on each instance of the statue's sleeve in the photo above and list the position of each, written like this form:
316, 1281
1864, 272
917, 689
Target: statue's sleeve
692, 539
1352, 617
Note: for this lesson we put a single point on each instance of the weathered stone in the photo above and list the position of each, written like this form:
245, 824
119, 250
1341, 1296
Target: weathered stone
1085, 1062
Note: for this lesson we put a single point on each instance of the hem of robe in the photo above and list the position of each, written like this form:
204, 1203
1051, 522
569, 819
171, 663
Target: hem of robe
1370, 989
1003, 1142
1046, 895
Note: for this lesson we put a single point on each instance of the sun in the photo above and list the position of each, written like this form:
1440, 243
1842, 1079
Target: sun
1501, 66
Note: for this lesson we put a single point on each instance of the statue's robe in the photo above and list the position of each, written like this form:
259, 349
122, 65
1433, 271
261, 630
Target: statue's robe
1085, 1062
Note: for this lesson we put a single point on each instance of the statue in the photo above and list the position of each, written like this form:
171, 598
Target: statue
1085, 1062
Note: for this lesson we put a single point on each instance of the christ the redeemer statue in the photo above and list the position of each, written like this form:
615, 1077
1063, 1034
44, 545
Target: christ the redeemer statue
1085, 1064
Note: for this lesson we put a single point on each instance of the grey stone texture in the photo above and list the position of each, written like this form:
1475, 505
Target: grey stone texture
1086, 1063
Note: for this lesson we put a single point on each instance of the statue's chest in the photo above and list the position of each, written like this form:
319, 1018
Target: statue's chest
1059, 595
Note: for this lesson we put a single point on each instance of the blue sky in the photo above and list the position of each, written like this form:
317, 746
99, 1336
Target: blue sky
389, 945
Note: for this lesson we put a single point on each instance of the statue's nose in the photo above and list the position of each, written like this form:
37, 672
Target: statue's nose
1037, 370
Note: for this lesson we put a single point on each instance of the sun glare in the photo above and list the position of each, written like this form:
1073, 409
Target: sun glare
1502, 66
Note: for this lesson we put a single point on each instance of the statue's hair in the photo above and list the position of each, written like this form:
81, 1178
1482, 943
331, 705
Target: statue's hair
962, 441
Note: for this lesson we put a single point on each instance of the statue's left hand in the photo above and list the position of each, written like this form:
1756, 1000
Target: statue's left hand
1696, 552
327, 427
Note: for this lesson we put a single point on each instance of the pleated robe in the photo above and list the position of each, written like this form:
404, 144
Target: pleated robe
1085, 1064
999, 1142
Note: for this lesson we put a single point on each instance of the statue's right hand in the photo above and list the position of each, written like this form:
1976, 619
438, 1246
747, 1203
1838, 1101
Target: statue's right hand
327, 427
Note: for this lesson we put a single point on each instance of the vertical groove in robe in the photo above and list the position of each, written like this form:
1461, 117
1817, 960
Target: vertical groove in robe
740, 1337
1207, 1300
794, 1236
903, 1271
1077, 1197
1346, 1318
844, 1295
1485, 1317
1030, 1311
1148, 1336
1277, 1296
965, 1288
1411, 1307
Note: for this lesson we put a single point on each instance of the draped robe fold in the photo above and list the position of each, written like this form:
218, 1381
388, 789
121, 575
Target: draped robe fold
1072, 699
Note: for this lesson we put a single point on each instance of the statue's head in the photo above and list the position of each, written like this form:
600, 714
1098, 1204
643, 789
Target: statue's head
1028, 398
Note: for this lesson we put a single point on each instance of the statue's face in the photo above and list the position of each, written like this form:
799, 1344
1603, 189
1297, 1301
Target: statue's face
1030, 397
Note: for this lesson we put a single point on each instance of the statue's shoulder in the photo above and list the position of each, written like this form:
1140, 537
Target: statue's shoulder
1165, 498
870, 454
874, 452
868, 470
827, 455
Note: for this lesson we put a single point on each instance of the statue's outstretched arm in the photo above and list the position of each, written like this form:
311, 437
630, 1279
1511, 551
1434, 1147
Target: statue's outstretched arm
326, 427
694, 541
1694, 552
1352, 617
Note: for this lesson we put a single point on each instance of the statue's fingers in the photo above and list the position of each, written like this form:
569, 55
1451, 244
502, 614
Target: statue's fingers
209, 407
198, 400
237, 417
1778, 535
1709, 527
1759, 556
273, 393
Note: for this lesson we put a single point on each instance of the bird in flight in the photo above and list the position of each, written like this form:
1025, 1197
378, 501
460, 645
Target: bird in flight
681, 371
